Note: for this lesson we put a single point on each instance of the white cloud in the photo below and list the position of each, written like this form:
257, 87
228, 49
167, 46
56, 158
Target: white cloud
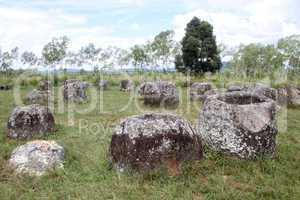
31, 29
31, 24
258, 21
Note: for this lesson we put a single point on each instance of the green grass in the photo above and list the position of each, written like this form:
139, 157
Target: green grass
87, 174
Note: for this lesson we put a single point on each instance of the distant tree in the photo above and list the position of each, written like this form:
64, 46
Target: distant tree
199, 49
73, 58
6, 61
105, 58
55, 51
179, 65
290, 49
122, 57
29, 58
256, 60
138, 56
162, 47
88, 54
15, 53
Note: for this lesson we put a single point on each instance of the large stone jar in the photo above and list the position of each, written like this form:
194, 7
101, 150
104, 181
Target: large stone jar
146, 142
240, 124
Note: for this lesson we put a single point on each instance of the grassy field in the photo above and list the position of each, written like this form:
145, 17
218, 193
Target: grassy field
87, 173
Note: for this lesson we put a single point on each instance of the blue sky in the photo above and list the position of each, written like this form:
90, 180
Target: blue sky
31, 24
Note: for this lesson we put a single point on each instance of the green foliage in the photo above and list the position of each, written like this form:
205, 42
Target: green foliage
199, 49
29, 58
164, 48
259, 60
256, 60
6, 60
290, 48
55, 51
139, 56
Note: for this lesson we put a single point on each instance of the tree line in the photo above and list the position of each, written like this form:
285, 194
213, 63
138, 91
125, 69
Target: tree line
196, 53
160, 52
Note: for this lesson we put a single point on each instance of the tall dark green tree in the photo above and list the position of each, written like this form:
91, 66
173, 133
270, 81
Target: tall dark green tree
199, 49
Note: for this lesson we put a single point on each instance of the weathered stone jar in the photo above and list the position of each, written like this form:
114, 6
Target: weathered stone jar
240, 124
103, 84
159, 93
142, 143
75, 91
28, 121
126, 85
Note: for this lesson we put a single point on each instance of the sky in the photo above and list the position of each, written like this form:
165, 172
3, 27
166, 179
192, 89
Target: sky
30, 24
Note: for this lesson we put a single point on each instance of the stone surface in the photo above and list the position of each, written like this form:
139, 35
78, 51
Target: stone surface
37, 157
234, 88
289, 95
103, 84
210, 93
45, 85
240, 124
39, 97
263, 90
126, 85
75, 91
161, 93
257, 89
149, 141
28, 121
197, 90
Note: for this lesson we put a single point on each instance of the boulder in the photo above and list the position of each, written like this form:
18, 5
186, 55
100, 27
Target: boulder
126, 85
35, 158
147, 142
75, 91
39, 97
103, 84
197, 90
289, 95
161, 93
45, 85
263, 90
240, 124
28, 121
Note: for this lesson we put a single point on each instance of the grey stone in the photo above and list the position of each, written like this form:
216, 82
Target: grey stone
240, 124
289, 95
146, 142
45, 85
161, 93
75, 91
126, 85
197, 90
35, 158
103, 84
211, 93
234, 88
39, 97
28, 121
263, 90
